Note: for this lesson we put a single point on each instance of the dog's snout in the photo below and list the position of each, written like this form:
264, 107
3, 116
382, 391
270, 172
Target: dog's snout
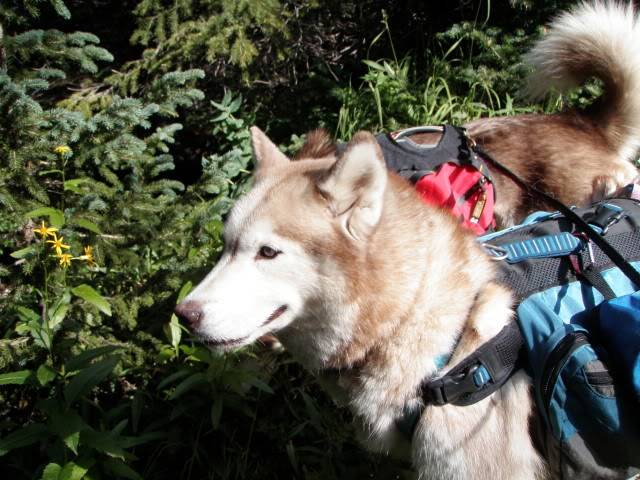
190, 312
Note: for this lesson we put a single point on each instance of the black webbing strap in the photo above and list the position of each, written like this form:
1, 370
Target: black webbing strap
476, 377
465, 383
570, 215
598, 282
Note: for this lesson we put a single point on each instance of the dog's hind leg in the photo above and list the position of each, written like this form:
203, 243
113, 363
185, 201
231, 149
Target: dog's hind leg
613, 184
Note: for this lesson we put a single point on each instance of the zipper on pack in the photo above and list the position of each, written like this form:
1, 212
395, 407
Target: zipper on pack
556, 361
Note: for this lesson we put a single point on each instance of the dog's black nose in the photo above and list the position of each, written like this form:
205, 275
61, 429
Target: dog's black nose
190, 312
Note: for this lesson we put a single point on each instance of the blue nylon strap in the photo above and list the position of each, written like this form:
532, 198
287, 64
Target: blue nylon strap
546, 246
441, 360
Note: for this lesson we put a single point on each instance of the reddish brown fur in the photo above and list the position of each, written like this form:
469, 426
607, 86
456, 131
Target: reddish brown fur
318, 144
567, 155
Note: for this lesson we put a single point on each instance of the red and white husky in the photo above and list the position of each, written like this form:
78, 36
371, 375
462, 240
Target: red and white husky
349, 268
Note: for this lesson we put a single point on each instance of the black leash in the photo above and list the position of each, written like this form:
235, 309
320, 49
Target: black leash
579, 223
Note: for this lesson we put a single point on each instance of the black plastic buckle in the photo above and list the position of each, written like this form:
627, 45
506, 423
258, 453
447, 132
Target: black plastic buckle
450, 388
604, 217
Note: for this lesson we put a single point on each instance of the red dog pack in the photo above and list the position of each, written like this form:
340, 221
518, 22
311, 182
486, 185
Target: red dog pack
448, 173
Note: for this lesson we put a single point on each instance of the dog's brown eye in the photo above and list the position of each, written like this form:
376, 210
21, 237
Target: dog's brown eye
267, 252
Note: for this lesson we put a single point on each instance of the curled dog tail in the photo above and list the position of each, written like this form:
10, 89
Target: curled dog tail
596, 39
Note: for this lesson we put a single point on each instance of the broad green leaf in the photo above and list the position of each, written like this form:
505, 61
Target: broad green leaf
45, 374
87, 225
128, 442
59, 311
122, 424
84, 358
67, 425
15, 378
216, 411
184, 291
32, 324
173, 332
104, 442
260, 385
173, 377
120, 469
88, 378
51, 472
72, 441
72, 471
187, 384
24, 252
88, 294
73, 185
23, 437
56, 217
27, 315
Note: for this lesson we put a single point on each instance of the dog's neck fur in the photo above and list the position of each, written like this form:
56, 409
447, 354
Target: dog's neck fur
396, 337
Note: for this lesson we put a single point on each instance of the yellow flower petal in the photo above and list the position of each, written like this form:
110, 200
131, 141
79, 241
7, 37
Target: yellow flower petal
45, 231
57, 244
65, 260
62, 150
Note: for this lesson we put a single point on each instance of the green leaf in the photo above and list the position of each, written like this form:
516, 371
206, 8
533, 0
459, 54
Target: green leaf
87, 225
128, 442
187, 384
15, 378
104, 442
173, 332
184, 291
260, 385
73, 471
27, 315
216, 411
120, 469
67, 425
88, 378
45, 374
24, 252
23, 437
51, 472
84, 358
73, 185
88, 294
173, 377
59, 311
56, 217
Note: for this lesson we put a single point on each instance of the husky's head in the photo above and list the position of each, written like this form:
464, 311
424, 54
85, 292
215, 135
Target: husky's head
290, 244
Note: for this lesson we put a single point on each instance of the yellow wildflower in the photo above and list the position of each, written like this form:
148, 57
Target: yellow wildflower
45, 231
62, 150
57, 245
88, 256
65, 260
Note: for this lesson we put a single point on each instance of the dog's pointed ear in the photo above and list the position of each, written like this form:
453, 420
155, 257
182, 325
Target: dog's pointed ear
265, 152
354, 186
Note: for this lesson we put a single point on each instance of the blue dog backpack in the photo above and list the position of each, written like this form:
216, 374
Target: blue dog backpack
578, 312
